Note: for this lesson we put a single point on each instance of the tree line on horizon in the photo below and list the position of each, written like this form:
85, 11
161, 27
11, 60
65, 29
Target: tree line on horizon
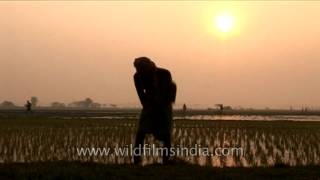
87, 103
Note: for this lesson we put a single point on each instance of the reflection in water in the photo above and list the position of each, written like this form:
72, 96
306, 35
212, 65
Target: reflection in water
253, 117
227, 117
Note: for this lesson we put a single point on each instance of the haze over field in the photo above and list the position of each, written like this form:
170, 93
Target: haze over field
260, 54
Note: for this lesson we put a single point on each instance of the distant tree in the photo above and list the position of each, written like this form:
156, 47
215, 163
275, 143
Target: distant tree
7, 104
96, 105
113, 105
58, 105
88, 103
227, 107
72, 104
34, 101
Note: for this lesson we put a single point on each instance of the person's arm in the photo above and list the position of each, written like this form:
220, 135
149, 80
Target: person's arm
173, 92
170, 88
139, 89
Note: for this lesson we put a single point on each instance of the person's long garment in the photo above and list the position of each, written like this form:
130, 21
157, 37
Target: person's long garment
157, 122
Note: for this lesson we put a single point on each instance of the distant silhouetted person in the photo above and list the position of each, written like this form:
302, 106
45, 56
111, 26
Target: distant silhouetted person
184, 108
220, 106
28, 106
157, 93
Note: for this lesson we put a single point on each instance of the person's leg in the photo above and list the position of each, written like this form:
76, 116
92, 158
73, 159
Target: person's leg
138, 147
167, 145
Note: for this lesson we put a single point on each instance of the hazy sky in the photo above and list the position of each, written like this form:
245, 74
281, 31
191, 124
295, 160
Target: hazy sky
66, 51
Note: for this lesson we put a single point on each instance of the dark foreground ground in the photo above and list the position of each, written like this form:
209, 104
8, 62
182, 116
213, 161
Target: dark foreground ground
77, 170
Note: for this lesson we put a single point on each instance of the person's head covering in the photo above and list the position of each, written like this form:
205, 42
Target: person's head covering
144, 63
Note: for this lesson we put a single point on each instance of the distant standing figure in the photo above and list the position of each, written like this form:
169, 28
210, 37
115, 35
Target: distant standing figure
157, 93
28, 106
184, 108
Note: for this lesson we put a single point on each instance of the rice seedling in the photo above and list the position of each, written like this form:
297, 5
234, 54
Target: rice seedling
264, 143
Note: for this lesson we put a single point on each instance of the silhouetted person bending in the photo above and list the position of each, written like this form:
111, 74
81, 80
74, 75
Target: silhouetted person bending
28, 106
157, 93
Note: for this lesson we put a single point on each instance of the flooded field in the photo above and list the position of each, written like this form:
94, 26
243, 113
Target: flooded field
30, 138
226, 117
253, 117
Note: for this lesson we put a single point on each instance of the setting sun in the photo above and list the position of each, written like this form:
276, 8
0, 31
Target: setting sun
159, 89
224, 22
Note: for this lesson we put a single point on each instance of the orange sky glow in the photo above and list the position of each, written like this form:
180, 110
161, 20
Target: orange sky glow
65, 51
